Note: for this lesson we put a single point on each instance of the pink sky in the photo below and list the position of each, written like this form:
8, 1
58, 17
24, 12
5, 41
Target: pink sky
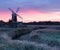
32, 15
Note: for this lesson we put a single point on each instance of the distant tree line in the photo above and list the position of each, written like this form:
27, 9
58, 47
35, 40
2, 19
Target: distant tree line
10, 24
43, 23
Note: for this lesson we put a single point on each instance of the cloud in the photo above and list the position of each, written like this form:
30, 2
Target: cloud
42, 5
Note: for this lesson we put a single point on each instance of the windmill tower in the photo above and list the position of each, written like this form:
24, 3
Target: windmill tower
14, 15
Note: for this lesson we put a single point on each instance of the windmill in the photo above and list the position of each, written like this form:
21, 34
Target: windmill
14, 15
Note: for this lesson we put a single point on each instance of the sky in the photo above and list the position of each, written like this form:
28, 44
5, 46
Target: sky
31, 10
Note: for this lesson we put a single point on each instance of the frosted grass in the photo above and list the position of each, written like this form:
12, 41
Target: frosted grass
6, 43
41, 39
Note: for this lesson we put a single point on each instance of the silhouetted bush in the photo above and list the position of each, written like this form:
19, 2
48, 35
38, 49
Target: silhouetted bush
18, 33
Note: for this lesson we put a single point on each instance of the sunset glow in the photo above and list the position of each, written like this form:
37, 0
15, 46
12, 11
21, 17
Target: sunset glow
31, 10
32, 15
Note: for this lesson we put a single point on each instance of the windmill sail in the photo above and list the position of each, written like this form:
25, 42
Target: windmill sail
14, 15
19, 16
11, 10
17, 10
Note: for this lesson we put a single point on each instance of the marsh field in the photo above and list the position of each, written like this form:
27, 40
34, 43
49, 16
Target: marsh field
31, 37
